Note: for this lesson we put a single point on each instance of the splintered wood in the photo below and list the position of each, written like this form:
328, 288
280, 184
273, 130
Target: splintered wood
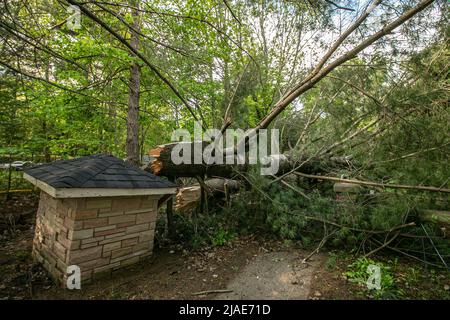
188, 198
156, 165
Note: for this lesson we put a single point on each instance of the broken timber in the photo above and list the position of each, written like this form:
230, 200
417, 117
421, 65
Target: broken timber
188, 197
164, 166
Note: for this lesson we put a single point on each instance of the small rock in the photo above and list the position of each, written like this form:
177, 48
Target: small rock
446, 287
317, 294
171, 251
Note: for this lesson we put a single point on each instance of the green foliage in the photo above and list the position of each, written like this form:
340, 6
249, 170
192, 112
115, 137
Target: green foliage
194, 233
292, 216
331, 262
221, 237
17, 181
358, 272
388, 108
22, 255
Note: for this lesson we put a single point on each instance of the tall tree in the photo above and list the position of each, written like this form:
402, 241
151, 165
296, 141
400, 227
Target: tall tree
132, 143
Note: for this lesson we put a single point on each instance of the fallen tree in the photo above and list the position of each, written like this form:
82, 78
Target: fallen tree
374, 184
163, 164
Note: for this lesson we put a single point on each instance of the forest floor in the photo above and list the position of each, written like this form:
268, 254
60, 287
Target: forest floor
248, 267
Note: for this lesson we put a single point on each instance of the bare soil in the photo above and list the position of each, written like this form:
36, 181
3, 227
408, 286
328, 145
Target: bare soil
274, 275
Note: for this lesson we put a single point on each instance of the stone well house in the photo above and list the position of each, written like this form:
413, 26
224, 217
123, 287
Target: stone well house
96, 212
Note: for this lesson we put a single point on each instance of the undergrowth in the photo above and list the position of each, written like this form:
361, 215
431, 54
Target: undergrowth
358, 225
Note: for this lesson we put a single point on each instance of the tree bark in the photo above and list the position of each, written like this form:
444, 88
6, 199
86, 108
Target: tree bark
374, 184
132, 143
163, 165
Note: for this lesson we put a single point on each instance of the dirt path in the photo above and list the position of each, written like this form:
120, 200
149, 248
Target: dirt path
274, 275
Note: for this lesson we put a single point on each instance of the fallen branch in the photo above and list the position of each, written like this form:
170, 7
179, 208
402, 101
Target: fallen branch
321, 244
435, 249
210, 291
406, 225
385, 244
407, 254
374, 184
295, 189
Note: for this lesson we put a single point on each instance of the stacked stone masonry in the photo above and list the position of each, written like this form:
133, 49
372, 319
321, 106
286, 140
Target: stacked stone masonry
97, 234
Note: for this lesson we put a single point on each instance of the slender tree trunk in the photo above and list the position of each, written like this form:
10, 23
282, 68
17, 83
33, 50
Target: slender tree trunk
132, 144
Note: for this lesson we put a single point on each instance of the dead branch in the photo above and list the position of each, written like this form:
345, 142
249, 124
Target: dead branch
374, 184
385, 244
294, 189
406, 254
339, 6
321, 244
210, 291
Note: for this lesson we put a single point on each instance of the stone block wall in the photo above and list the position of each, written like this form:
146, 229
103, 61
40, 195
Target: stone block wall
97, 234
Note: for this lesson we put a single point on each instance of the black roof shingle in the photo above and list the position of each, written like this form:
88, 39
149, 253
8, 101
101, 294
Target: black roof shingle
96, 171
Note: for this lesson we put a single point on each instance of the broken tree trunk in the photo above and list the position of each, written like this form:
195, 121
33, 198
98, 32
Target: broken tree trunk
163, 164
188, 198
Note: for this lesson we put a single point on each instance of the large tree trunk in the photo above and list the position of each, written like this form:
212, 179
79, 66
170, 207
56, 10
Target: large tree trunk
163, 164
132, 144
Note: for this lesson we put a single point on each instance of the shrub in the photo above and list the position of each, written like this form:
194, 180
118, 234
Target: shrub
359, 272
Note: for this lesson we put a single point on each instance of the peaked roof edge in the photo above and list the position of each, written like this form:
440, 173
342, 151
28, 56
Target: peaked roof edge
96, 192
96, 171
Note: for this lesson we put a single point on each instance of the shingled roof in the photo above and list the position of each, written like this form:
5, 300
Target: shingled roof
96, 171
